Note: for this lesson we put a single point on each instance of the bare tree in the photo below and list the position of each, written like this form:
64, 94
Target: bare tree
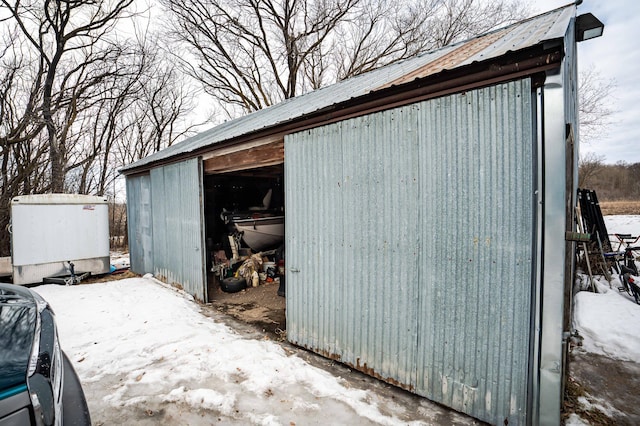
74, 96
98, 125
251, 54
589, 168
595, 104
140, 107
456, 20
158, 116
20, 89
56, 30
388, 32
614, 182
21, 150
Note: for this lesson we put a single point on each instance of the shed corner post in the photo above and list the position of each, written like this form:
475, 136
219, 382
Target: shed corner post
557, 180
550, 307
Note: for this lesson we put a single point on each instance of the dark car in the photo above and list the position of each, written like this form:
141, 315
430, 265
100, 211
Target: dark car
38, 385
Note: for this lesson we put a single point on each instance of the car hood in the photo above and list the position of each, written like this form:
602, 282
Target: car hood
18, 313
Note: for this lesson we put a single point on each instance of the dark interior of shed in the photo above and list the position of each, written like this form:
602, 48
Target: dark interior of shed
239, 191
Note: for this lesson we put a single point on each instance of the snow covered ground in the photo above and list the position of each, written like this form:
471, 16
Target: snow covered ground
609, 320
146, 354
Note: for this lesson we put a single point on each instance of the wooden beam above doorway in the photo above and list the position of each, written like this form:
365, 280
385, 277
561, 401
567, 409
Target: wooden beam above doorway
250, 157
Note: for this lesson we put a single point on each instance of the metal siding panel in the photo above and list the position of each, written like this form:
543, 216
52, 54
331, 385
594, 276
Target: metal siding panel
411, 231
193, 261
476, 266
174, 217
177, 225
158, 218
316, 307
133, 224
146, 223
353, 297
139, 223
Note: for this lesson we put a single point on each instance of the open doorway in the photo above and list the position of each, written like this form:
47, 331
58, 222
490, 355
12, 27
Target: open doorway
257, 194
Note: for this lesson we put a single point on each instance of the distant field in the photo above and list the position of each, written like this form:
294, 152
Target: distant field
620, 207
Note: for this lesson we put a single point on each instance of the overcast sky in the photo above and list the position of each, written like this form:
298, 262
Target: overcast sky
616, 56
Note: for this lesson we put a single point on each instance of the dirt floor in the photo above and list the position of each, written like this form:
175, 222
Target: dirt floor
259, 306
612, 387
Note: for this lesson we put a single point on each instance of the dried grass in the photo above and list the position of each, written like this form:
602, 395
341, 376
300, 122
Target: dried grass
626, 207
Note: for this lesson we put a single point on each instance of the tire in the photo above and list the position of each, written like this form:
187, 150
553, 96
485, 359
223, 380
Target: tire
625, 285
636, 292
232, 284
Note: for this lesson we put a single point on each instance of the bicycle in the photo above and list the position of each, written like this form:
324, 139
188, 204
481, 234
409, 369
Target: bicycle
626, 240
629, 283
627, 267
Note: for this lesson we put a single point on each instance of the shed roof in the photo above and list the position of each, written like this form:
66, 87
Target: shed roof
548, 26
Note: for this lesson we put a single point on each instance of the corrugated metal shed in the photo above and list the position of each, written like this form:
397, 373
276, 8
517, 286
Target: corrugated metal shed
425, 229
525, 34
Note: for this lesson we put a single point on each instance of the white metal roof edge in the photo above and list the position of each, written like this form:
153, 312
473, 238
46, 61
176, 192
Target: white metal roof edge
58, 199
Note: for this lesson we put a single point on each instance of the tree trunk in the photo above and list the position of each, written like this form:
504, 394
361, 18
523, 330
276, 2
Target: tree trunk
56, 153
